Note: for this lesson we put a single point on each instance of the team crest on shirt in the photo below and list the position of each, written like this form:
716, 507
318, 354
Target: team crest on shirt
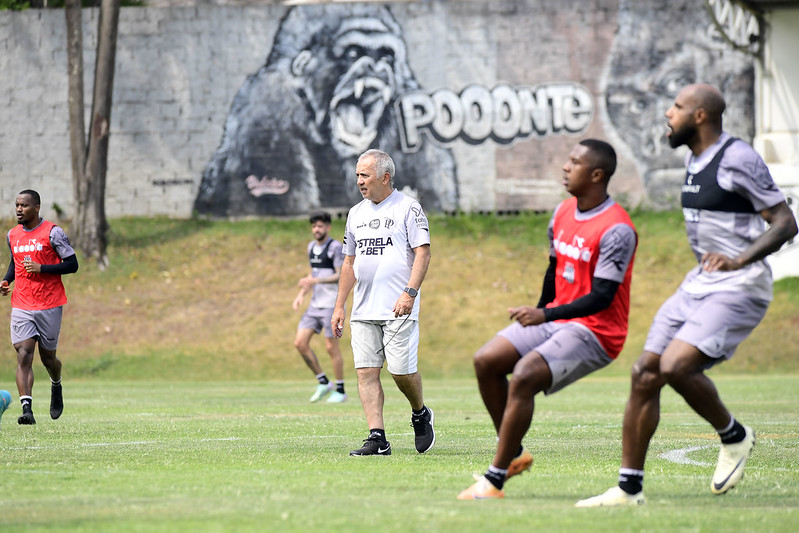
374, 224
568, 272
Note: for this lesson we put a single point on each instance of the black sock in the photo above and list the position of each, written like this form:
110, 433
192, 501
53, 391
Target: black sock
734, 434
379, 434
340, 386
496, 476
631, 481
27, 404
322, 379
420, 412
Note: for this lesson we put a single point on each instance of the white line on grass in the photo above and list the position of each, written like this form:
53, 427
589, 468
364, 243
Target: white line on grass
129, 443
681, 456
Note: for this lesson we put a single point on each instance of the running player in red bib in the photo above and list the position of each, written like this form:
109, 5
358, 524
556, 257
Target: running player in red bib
40, 255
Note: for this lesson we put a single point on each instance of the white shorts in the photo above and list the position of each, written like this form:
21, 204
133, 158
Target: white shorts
394, 342
44, 326
714, 323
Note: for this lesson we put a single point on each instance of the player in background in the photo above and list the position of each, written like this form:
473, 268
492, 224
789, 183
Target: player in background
727, 197
580, 323
387, 253
325, 258
40, 255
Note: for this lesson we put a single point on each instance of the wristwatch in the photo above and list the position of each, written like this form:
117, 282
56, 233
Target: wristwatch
411, 292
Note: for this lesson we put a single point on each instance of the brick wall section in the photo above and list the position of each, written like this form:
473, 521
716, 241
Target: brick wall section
176, 74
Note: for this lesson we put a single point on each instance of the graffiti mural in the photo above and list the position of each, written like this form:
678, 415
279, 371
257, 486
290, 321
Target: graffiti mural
650, 61
338, 81
325, 95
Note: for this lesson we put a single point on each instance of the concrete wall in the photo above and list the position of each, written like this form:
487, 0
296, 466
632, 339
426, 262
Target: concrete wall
179, 70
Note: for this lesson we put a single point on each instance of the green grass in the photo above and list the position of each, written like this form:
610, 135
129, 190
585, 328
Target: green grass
185, 409
256, 456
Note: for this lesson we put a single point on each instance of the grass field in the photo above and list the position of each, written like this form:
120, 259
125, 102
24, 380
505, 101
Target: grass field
187, 403
246, 456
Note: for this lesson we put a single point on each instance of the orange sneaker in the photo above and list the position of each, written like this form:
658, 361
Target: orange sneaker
520, 464
481, 490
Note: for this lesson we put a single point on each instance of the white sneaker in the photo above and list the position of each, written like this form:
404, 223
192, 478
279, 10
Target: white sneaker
614, 497
337, 397
732, 458
322, 391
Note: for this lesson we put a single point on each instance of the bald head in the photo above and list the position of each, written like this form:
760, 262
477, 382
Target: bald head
707, 97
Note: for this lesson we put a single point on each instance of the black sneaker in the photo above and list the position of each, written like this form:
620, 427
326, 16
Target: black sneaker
56, 401
26, 419
423, 429
373, 445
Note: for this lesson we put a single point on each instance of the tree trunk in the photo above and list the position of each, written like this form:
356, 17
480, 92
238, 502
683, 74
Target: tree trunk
90, 163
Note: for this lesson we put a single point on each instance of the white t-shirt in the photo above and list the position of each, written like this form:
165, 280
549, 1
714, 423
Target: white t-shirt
382, 237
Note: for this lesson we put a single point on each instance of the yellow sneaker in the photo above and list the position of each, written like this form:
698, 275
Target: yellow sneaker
481, 490
523, 462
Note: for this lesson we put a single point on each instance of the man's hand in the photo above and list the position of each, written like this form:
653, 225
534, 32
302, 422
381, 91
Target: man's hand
307, 282
4, 288
31, 266
712, 262
526, 315
403, 305
337, 322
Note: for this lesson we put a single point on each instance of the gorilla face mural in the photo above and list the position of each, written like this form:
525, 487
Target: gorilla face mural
637, 98
324, 96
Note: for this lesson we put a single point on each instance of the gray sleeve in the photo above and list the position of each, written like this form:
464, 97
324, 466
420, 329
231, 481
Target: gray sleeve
60, 242
616, 250
743, 171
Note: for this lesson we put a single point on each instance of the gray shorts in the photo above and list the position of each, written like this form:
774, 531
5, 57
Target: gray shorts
571, 350
44, 326
714, 323
318, 319
395, 342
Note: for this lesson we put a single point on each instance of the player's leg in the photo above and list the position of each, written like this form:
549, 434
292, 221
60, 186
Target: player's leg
367, 354
370, 391
48, 323
721, 321
401, 346
53, 365
302, 342
641, 418
492, 364
642, 412
24, 377
531, 375
334, 351
683, 366
567, 353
